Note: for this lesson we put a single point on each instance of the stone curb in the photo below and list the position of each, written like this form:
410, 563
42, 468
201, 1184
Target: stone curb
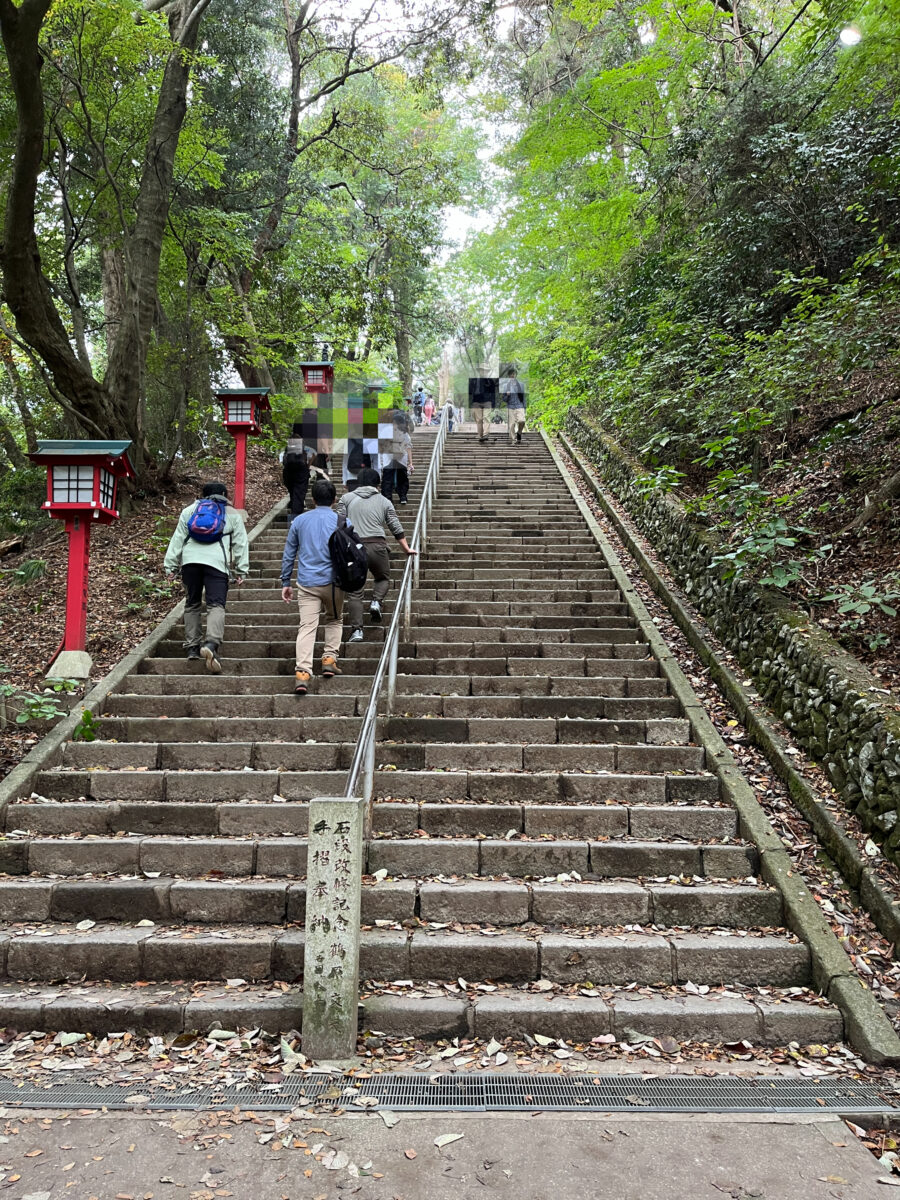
21, 777
884, 911
868, 1028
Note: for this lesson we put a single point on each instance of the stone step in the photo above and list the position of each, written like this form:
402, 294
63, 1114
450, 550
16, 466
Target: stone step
694, 817
283, 627
494, 742
639, 723
188, 777
638, 677
246, 610
519, 620
475, 553
410, 901
599, 646
161, 688
502, 608
236, 857
621, 858
629, 1015
259, 952
505, 664
225, 728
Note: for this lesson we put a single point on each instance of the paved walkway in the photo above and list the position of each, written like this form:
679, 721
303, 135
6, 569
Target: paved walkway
526, 1157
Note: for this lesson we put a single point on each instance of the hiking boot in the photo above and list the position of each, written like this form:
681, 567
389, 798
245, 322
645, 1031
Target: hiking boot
356, 636
375, 611
210, 656
193, 654
330, 668
301, 683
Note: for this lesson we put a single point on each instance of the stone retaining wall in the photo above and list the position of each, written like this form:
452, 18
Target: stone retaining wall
833, 705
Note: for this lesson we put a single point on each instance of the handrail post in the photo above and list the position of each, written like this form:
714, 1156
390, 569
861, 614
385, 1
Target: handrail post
368, 775
392, 673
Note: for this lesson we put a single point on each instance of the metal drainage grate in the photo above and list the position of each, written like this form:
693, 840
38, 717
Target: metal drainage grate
478, 1093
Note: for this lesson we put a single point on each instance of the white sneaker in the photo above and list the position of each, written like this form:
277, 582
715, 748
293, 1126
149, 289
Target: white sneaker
375, 610
356, 636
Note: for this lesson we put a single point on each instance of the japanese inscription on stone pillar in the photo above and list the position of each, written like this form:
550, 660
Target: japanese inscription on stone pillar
331, 954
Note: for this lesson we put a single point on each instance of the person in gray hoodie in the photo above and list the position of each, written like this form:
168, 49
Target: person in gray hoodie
372, 515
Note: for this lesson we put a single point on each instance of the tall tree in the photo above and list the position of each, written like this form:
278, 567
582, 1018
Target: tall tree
113, 405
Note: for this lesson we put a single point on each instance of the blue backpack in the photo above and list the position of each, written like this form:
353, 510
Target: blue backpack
207, 522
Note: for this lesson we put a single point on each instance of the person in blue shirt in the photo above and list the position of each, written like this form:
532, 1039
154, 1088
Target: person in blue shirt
317, 592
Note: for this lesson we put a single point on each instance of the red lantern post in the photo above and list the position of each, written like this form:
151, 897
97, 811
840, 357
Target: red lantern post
243, 409
82, 481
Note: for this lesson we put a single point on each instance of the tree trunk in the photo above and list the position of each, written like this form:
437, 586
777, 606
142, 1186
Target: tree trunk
27, 291
115, 407
112, 283
15, 379
128, 356
888, 491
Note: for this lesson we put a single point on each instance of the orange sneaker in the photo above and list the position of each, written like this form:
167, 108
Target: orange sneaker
330, 668
301, 684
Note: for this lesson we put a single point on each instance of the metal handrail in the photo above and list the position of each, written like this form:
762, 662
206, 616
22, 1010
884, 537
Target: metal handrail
363, 762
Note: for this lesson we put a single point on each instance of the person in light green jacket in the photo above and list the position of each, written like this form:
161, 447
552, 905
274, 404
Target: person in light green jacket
208, 565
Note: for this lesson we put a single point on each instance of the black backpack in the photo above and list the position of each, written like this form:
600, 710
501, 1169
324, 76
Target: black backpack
348, 557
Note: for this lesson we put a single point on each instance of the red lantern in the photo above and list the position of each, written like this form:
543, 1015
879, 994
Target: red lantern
318, 377
243, 411
82, 481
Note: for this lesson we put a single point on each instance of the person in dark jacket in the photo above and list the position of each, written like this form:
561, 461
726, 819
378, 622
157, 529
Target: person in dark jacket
295, 469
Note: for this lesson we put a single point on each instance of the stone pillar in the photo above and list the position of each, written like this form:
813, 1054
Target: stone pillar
331, 954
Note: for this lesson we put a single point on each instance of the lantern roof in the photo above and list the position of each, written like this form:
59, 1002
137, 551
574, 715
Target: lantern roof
56, 450
242, 391
321, 363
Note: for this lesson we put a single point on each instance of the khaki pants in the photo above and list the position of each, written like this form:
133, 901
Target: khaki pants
515, 421
481, 415
312, 602
380, 569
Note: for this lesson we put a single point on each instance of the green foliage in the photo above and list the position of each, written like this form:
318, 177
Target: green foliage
146, 589
862, 598
700, 241
30, 571
762, 551
35, 706
87, 729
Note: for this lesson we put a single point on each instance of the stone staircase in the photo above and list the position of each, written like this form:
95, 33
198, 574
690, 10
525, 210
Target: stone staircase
550, 852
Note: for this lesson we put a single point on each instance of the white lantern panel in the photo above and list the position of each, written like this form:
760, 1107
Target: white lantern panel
315, 375
73, 484
107, 488
240, 410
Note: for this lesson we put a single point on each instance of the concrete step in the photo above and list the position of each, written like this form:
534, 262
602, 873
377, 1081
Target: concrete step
259, 952
491, 646
538, 856
622, 858
503, 663
324, 702
638, 722
518, 743
399, 901
187, 780
698, 815
628, 1015
618, 677
224, 728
